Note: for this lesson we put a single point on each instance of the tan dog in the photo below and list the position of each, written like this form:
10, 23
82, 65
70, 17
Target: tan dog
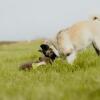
77, 37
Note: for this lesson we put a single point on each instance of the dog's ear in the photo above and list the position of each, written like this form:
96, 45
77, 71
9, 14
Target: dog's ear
44, 46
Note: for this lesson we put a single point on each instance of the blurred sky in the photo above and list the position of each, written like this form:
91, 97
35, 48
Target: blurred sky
30, 19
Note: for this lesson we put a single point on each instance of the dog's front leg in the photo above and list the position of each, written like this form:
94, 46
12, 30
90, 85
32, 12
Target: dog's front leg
71, 57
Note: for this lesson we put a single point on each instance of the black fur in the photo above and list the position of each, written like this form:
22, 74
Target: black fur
44, 47
48, 52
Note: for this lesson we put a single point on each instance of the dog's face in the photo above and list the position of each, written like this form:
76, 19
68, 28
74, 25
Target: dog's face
47, 51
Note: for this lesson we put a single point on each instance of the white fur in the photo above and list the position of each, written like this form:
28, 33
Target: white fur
55, 50
71, 57
41, 63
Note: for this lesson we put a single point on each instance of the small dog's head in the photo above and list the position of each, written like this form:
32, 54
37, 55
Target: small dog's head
47, 51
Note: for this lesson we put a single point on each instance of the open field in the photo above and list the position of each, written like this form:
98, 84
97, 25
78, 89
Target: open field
59, 81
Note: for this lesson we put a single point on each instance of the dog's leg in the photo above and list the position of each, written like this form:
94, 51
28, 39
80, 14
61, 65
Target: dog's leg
96, 49
96, 46
71, 57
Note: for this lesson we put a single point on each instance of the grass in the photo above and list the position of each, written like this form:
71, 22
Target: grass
60, 81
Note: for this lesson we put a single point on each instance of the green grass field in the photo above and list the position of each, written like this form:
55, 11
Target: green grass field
60, 81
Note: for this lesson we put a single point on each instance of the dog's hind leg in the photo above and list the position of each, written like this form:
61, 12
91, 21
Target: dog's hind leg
96, 46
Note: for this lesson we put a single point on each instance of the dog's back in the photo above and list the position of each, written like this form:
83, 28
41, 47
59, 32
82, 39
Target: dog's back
80, 35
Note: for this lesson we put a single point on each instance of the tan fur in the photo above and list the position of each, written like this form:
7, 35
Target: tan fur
78, 37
